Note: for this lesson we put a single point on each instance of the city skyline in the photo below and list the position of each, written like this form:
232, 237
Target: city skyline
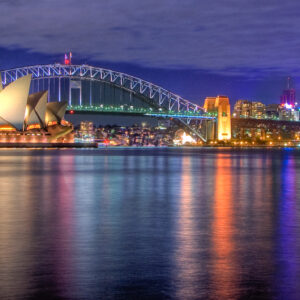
233, 87
149, 149
241, 54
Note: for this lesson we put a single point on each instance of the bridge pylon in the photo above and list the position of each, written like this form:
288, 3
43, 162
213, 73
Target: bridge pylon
219, 106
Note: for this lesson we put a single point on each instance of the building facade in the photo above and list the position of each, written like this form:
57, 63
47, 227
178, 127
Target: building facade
220, 106
249, 109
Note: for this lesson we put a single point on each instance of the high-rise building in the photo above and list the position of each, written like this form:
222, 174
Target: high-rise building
258, 110
242, 108
247, 109
288, 96
288, 113
272, 111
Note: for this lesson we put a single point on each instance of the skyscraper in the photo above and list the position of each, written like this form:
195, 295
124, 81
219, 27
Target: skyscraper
288, 97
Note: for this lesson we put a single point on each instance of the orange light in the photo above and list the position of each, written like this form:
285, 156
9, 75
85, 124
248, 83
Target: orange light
33, 126
52, 123
7, 128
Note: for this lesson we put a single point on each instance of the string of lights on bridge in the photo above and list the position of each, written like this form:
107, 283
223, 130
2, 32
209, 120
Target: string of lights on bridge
124, 109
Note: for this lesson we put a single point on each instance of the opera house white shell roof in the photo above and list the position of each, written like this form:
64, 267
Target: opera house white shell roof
36, 109
19, 109
13, 101
55, 111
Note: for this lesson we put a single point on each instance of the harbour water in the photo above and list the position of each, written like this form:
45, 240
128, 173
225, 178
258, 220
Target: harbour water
150, 224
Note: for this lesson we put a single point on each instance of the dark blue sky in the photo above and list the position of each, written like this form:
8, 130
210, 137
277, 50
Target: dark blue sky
240, 48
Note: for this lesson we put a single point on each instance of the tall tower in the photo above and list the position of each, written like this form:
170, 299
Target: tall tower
224, 118
288, 96
220, 105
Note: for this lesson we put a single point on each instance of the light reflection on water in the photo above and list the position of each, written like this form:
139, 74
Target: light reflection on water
224, 266
149, 224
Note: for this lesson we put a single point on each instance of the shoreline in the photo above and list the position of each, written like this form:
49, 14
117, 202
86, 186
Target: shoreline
48, 145
95, 146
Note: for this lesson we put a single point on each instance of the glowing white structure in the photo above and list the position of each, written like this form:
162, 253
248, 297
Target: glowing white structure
13, 101
18, 109
36, 109
55, 111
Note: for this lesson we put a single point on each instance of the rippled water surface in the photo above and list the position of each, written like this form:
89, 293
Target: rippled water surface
150, 224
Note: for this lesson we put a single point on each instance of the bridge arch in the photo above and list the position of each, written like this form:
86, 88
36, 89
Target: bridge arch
157, 94
65, 81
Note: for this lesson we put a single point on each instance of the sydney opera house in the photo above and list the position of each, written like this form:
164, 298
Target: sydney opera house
28, 118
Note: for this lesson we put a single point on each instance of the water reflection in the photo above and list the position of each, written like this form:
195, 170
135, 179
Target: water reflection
187, 256
288, 247
224, 266
15, 239
183, 224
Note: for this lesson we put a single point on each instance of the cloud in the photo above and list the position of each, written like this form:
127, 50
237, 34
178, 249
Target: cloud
224, 37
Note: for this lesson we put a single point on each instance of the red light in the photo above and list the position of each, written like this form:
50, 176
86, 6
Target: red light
72, 112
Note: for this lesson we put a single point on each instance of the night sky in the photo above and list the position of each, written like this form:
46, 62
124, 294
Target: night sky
244, 49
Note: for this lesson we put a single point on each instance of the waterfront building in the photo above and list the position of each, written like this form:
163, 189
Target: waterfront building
36, 109
86, 132
29, 118
242, 108
13, 101
258, 110
287, 113
247, 109
272, 111
87, 126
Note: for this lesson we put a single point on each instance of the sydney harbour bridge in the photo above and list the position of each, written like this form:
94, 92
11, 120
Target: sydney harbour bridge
89, 89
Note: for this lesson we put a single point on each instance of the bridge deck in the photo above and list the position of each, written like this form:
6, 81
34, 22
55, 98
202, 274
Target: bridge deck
137, 111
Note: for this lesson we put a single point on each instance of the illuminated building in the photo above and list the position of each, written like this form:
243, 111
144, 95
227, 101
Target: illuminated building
224, 118
220, 106
242, 108
13, 101
28, 118
86, 132
288, 96
55, 112
87, 126
209, 104
246, 109
258, 110
272, 111
181, 138
288, 113
36, 109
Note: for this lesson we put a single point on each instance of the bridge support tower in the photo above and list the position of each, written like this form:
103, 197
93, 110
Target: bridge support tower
221, 108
